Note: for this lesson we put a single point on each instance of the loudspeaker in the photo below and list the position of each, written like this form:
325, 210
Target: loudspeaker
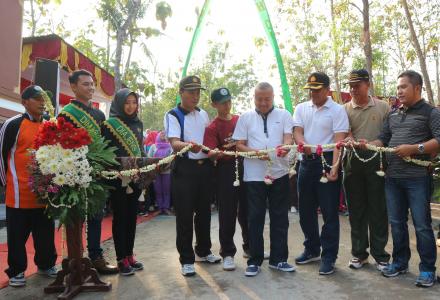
47, 75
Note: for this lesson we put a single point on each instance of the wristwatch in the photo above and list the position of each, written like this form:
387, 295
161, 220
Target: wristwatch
421, 148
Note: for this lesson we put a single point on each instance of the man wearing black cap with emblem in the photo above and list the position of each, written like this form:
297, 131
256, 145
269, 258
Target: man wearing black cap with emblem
191, 177
24, 213
319, 121
365, 189
231, 197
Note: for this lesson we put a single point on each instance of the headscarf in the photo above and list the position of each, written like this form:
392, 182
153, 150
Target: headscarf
117, 107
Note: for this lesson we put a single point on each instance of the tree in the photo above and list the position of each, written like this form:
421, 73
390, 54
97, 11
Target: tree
420, 54
122, 16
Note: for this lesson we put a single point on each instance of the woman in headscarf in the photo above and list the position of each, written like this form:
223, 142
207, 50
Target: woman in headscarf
124, 131
162, 184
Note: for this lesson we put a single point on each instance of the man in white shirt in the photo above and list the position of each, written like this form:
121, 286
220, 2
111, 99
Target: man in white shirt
266, 127
190, 177
317, 122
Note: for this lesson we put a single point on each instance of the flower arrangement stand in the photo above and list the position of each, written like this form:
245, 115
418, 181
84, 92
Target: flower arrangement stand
77, 274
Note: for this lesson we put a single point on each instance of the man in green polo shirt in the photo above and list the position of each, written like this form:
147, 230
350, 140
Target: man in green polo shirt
364, 188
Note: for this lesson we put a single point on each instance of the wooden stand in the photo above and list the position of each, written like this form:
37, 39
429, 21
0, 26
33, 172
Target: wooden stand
77, 274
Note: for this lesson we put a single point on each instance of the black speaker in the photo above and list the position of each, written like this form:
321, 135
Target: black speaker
47, 75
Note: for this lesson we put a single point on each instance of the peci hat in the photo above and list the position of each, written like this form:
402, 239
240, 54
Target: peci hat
220, 95
32, 91
191, 83
317, 80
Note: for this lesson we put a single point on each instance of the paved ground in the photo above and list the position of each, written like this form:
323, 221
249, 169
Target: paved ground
161, 279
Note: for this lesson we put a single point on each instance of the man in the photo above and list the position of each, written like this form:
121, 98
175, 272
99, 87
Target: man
190, 177
266, 127
81, 113
414, 131
317, 122
231, 199
364, 188
24, 214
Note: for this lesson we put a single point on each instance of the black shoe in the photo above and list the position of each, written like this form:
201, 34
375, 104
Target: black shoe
306, 258
326, 268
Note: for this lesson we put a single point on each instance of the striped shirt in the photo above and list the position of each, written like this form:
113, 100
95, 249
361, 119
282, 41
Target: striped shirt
414, 125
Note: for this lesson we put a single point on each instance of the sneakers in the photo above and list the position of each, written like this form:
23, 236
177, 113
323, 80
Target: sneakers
394, 270
283, 266
306, 258
188, 270
326, 268
247, 254
51, 272
137, 266
124, 267
252, 271
357, 263
210, 258
18, 280
228, 263
382, 265
425, 279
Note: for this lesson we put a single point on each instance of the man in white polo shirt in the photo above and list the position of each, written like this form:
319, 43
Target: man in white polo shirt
266, 127
317, 122
190, 177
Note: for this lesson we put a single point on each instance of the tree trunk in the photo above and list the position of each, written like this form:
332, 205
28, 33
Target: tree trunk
367, 42
107, 58
127, 63
420, 54
335, 53
34, 26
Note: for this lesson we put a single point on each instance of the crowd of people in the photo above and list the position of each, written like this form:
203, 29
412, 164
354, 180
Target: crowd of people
263, 183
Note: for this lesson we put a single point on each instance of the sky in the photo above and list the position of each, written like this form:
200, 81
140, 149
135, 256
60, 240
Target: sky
237, 18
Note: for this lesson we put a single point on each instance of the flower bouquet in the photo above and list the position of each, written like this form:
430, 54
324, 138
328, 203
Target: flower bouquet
65, 168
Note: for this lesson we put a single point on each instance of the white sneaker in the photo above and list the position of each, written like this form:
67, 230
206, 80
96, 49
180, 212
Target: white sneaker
51, 272
228, 263
188, 270
18, 280
210, 258
293, 210
356, 263
381, 266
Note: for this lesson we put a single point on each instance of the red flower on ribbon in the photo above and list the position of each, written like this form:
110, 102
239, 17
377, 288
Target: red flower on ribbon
319, 150
300, 148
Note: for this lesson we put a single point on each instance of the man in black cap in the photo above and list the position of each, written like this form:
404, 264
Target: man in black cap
231, 196
364, 188
24, 213
319, 121
191, 177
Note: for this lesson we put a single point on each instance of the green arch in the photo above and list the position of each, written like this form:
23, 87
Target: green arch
267, 24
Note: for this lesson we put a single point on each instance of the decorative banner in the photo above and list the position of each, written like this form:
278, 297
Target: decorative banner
265, 19
195, 37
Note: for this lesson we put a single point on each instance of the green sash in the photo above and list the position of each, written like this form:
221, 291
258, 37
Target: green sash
124, 135
82, 119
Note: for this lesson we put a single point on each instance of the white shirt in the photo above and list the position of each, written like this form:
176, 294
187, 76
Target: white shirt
250, 127
194, 126
320, 124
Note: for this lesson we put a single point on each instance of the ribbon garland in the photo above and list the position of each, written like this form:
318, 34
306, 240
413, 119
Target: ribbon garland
263, 154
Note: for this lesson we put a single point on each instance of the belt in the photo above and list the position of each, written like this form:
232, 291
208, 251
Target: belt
314, 156
195, 161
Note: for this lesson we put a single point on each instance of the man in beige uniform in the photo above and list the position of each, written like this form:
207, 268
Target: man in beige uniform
364, 188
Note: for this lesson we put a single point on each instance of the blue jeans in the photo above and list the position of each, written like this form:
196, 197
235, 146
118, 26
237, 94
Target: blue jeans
311, 195
414, 194
277, 194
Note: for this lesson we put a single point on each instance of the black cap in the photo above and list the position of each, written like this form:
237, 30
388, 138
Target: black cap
220, 95
191, 83
358, 75
317, 80
32, 91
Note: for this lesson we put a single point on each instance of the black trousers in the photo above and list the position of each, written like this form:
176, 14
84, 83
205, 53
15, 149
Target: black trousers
124, 220
278, 195
20, 222
192, 193
232, 203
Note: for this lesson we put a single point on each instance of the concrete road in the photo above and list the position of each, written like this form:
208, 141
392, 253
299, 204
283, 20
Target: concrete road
161, 278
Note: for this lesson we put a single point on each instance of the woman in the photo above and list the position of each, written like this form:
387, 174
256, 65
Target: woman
162, 184
124, 131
